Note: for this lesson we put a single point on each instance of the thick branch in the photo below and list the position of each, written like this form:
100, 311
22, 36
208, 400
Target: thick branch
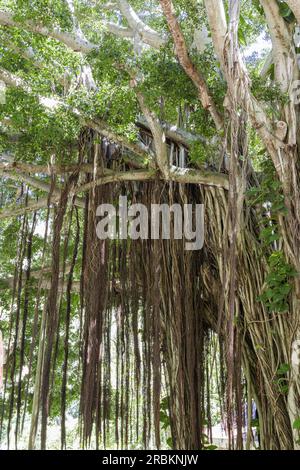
33, 205
186, 176
54, 103
74, 41
281, 42
186, 63
181, 175
205, 178
29, 180
259, 119
218, 26
139, 175
119, 31
147, 34
44, 284
285, 63
38, 184
161, 150
11, 165
178, 135
16, 210
295, 7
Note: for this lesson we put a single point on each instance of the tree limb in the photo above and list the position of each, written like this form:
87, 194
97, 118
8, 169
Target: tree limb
259, 119
184, 175
38, 184
202, 177
15, 210
295, 7
148, 35
119, 31
186, 63
218, 26
161, 150
281, 42
7, 167
285, 63
44, 284
76, 40
53, 103
73, 40
139, 175
178, 135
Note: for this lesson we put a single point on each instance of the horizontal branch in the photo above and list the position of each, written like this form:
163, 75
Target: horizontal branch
44, 284
37, 184
29, 180
9, 166
77, 42
52, 103
139, 175
16, 210
183, 176
72, 40
205, 178
119, 31
172, 132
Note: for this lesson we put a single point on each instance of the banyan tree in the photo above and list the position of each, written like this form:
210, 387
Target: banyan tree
118, 342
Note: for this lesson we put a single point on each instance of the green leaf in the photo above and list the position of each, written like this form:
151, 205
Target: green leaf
296, 424
283, 369
170, 442
210, 447
254, 423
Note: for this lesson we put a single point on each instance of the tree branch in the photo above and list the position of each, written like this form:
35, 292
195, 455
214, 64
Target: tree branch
38, 184
159, 139
44, 284
186, 176
295, 7
119, 31
15, 210
201, 177
218, 26
259, 119
54, 103
186, 63
74, 41
285, 63
148, 35
281, 42
11, 165
178, 135
139, 175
